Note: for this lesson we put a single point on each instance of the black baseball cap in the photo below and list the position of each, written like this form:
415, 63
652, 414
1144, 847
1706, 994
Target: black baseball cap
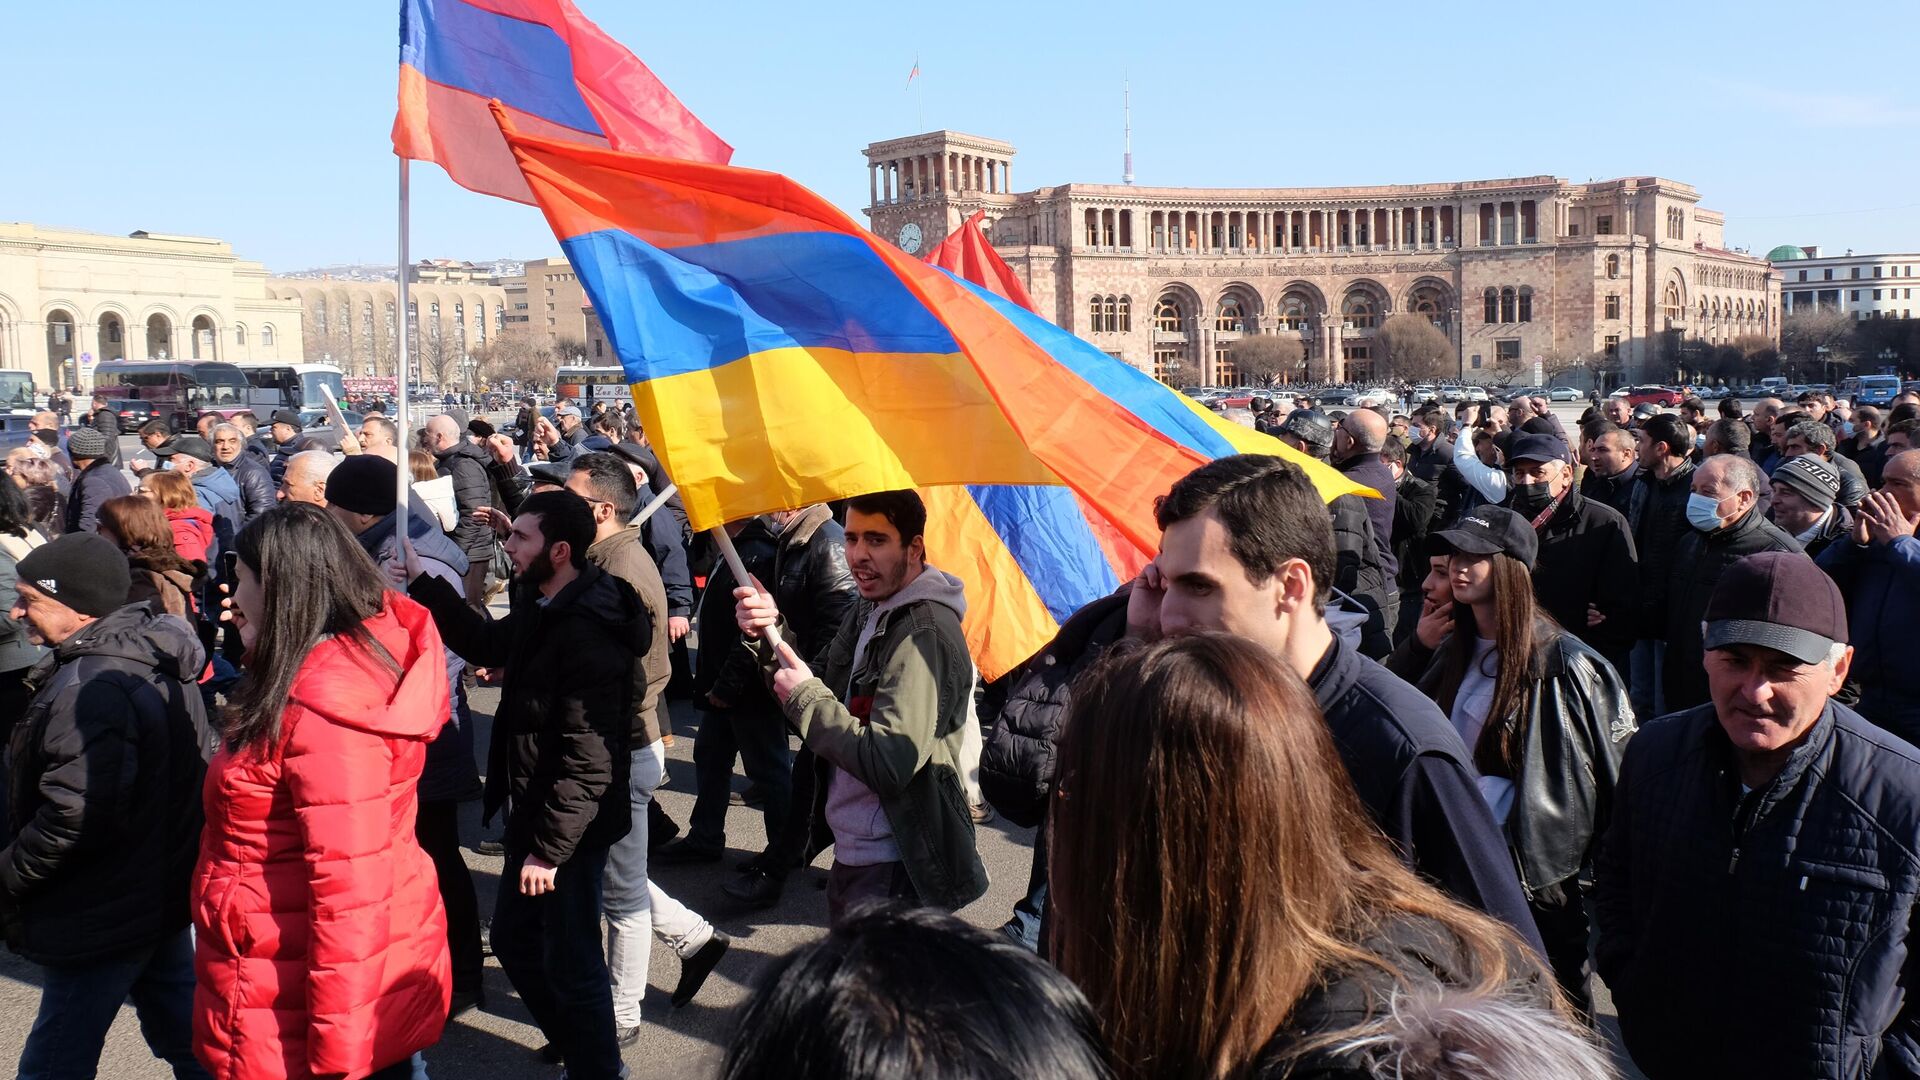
1538, 448
1491, 530
190, 445
1778, 600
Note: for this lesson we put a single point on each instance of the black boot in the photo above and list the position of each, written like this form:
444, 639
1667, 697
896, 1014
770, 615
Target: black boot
755, 888
695, 969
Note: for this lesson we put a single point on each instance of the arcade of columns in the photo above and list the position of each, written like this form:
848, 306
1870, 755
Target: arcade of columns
920, 175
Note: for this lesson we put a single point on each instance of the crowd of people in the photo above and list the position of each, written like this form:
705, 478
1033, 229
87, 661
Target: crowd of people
1356, 789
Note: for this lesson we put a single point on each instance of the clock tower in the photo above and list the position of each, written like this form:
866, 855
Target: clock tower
923, 186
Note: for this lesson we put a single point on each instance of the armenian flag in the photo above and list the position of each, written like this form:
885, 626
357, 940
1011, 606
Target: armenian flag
781, 355
554, 72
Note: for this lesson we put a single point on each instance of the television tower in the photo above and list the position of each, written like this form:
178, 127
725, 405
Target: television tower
1126, 109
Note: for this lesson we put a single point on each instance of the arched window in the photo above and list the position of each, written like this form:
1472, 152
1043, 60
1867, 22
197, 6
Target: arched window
1360, 312
1094, 321
266, 335
1613, 266
1295, 312
320, 315
1112, 317
1229, 317
366, 318
1126, 314
1168, 318
1670, 304
1428, 301
240, 334
1526, 304
1492, 298
1506, 304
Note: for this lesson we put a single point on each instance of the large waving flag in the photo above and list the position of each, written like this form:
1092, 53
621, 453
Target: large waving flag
554, 71
781, 355
967, 254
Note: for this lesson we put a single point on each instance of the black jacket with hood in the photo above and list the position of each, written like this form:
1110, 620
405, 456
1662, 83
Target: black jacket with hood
472, 489
107, 767
561, 733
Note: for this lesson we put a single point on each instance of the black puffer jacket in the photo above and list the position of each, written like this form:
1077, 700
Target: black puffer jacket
724, 667
1770, 935
1028, 708
1659, 524
107, 766
257, 493
1369, 470
1616, 491
99, 481
1574, 727
1699, 560
467, 464
561, 734
1413, 519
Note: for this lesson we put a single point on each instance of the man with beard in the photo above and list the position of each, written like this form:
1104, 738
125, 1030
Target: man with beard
888, 717
559, 753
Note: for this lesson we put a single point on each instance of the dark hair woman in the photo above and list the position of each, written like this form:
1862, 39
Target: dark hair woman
896, 991
308, 862
1545, 716
160, 576
1223, 898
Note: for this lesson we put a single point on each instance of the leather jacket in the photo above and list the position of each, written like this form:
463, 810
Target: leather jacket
811, 582
1574, 729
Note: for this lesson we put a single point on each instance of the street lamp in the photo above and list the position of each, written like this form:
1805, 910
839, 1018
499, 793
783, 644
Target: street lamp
1820, 352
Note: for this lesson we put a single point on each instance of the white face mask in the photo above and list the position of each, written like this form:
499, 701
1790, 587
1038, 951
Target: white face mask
1703, 512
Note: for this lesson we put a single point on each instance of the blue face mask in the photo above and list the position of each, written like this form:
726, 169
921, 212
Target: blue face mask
1846, 429
1703, 512
1700, 442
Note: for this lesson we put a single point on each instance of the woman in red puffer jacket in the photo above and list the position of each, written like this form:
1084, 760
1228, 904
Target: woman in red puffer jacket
320, 941
192, 523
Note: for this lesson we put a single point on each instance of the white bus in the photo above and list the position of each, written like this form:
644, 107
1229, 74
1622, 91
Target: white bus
582, 386
290, 386
16, 390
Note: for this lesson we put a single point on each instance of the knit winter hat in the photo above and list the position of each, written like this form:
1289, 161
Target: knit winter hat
1810, 477
87, 444
82, 570
364, 484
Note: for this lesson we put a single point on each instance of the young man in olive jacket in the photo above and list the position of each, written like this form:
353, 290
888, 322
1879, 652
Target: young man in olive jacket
887, 716
559, 750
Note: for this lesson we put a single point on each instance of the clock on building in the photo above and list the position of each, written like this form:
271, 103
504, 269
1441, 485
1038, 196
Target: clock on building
910, 238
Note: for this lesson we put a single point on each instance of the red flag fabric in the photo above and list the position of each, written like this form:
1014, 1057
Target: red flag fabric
968, 255
555, 73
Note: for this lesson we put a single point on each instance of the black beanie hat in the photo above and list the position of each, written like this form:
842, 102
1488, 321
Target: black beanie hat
84, 571
364, 484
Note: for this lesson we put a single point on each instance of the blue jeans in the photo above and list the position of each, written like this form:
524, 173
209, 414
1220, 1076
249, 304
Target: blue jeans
1024, 927
550, 948
78, 1004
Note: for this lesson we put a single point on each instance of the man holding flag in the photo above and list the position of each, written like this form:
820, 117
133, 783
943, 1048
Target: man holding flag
887, 716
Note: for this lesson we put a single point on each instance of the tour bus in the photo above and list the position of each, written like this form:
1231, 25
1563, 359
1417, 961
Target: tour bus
290, 386
582, 386
178, 391
16, 390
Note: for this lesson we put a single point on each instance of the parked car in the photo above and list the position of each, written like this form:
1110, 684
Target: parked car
1335, 397
316, 426
1374, 396
1477, 393
1650, 395
131, 411
1564, 393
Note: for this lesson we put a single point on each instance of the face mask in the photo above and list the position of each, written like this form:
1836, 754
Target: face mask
1703, 512
1699, 442
1846, 429
48, 436
1532, 498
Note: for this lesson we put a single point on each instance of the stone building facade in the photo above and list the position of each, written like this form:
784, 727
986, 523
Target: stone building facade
1618, 273
69, 300
354, 324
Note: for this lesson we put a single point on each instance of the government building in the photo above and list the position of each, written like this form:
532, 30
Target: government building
1619, 274
69, 300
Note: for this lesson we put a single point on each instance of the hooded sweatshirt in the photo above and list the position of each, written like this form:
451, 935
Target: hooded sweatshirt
862, 835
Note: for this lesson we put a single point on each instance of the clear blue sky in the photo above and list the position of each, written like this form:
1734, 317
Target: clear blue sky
266, 124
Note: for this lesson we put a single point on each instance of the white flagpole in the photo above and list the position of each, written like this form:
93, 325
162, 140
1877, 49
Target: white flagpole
404, 473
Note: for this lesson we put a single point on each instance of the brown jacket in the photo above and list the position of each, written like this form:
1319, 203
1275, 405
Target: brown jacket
625, 556
170, 591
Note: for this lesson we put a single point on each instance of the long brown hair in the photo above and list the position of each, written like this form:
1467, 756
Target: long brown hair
173, 490
145, 535
1519, 635
1210, 861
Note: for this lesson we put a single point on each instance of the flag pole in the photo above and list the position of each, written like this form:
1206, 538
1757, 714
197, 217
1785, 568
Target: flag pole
400, 375
740, 578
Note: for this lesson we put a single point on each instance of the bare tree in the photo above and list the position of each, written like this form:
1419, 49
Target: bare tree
1760, 357
1412, 348
1265, 359
439, 354
1820, 336
514, 358
568, 350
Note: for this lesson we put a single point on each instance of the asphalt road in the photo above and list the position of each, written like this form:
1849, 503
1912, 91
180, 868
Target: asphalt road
499, 1042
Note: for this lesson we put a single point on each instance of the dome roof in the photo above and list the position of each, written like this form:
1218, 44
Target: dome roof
1786, 253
